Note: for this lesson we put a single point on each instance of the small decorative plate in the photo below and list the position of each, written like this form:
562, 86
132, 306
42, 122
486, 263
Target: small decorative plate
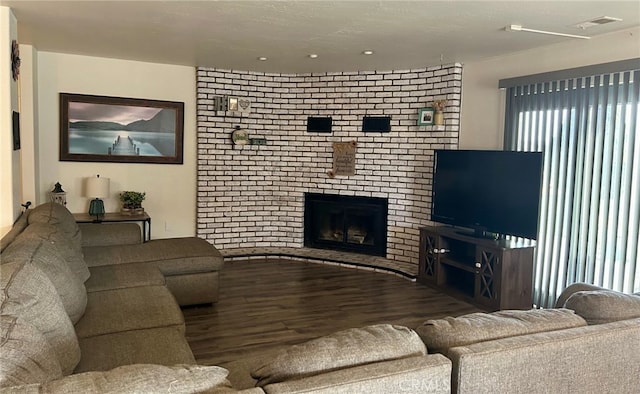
240, 137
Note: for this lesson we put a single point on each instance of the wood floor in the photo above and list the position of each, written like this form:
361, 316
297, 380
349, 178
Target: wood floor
267, 304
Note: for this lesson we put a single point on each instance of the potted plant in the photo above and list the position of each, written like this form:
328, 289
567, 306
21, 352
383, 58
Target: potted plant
438, 116
132, 202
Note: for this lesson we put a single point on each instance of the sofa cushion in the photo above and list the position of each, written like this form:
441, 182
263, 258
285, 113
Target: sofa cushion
443, 334
26, 293
139, 378
133, 308
604, 306
27, 357
347, 348
58, 215
414, 375
104, 234
70, 254
112, 277
173, 256
28, 248
163, 346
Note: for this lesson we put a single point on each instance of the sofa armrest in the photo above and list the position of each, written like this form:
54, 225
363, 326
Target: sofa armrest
589, 359
572, 289
419, 374
106, 234
136, 378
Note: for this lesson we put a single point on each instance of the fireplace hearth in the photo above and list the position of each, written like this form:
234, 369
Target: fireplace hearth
347, 223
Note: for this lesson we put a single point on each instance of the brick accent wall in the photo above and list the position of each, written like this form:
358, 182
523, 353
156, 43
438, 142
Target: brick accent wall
253, 195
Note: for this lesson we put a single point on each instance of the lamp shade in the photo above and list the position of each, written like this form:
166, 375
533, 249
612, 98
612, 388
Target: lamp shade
97, 187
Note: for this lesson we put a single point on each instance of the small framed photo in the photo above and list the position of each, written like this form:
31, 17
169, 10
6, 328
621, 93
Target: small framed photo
425, 116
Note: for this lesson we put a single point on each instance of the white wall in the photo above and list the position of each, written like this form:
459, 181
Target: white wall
482, 117
171, 189
10, 198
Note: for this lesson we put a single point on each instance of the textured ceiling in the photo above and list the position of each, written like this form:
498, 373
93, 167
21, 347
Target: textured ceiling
233, 34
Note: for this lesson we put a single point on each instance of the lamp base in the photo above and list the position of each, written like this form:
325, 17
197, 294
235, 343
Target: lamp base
96, 208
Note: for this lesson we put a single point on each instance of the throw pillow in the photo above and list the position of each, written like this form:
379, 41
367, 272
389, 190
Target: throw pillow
342, 349
604, 306
443, 334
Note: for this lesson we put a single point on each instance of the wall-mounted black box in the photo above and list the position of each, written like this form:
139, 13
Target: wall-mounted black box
319, 124
380, 124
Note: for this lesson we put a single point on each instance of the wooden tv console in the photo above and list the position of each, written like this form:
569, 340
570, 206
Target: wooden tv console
493, 274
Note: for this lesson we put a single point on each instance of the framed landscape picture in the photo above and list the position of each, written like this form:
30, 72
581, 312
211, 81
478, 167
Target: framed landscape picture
120, 130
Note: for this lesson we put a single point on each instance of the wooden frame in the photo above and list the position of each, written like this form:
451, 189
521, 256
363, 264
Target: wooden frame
120, 130
425, 116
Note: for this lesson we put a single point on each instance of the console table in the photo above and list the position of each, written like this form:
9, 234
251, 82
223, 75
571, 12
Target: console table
114, 217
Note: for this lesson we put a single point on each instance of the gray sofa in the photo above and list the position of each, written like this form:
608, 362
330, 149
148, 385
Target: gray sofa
589, 344
93, 310
81, 308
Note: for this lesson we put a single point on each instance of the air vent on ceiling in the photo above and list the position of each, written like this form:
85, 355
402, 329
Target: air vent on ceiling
602, 20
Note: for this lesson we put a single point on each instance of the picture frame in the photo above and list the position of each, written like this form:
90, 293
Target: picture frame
425, 116
120, 130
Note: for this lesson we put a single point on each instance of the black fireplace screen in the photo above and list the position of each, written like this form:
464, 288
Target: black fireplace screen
353, 224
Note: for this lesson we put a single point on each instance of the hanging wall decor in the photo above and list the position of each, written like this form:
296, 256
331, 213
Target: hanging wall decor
344, 159
120, 130
15, 60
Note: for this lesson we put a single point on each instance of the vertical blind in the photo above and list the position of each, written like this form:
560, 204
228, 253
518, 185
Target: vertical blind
588, 129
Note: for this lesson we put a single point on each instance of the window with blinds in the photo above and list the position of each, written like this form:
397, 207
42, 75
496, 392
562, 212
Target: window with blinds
587, 127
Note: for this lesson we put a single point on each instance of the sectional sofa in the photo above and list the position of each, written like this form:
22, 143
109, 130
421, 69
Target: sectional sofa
92, 309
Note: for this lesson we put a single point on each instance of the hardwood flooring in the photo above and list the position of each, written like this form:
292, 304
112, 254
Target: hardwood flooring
270, 303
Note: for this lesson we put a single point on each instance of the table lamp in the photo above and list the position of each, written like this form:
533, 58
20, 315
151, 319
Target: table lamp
97, 188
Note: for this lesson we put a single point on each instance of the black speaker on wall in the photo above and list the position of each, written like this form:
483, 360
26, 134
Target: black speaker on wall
319, 124
380, 124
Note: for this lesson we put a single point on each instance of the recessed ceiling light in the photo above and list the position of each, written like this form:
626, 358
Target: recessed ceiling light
262, 58
313, 55
367, 52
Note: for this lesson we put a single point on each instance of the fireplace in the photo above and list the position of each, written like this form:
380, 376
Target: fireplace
348, 223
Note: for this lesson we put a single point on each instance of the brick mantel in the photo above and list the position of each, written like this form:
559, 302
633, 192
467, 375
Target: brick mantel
253, 196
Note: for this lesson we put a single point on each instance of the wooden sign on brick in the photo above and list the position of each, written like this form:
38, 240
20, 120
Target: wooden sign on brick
344, 158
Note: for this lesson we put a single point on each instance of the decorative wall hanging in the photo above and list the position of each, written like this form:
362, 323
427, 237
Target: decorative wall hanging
120, 130
15, 60
15, 119
344, 159
240, 136
425, 116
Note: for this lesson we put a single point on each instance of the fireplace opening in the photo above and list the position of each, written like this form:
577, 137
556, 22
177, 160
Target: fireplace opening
348, 223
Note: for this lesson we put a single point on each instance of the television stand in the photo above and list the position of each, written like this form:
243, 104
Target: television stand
477, 233
493, 274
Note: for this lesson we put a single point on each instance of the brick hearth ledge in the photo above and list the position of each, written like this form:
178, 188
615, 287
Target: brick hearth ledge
345, 259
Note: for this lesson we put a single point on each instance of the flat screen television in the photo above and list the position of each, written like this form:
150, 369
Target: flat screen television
489, 192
